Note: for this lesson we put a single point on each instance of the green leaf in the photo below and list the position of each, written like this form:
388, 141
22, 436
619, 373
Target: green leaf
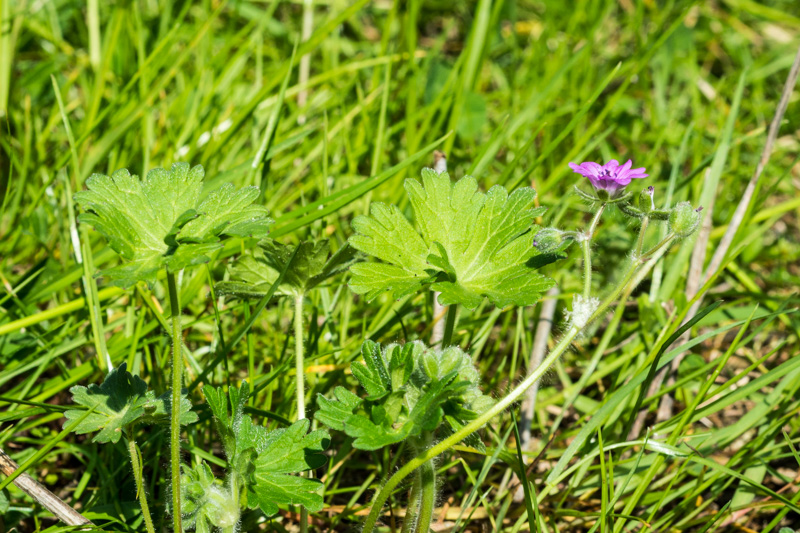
410, 389
161, 221
334, 413
470, 245
241, 437
286, 452
254, 273
121, 401
227, 420
263, 461
207, 503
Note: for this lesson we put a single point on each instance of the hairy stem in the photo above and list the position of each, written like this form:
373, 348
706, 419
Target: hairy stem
382, 495
133, 451
428, 497
640, 240
300, 375
586, 244
450, 324
412, 509
177, 383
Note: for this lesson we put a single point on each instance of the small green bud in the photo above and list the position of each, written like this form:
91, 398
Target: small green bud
548, 240
646, 203
684, 220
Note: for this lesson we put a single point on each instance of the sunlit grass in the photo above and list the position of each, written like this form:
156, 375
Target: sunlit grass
522, 88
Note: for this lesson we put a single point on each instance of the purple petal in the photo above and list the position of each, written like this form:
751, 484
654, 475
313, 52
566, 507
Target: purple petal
611, 177
637, 173
587, 169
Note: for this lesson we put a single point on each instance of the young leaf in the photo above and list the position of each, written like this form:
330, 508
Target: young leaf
228, 422
288, 451
263, 461
470, 245
121, 401
410, 390
161, 221
207, 504
253, 275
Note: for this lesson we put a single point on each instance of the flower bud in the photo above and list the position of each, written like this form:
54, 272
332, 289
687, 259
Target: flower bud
684, 220
548, 240
646, 202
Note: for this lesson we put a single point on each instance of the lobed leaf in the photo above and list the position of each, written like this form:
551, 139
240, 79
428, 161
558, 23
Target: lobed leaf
254, 273
265, 461
121, 401
286, 452
161, 222
470, 245
410, 389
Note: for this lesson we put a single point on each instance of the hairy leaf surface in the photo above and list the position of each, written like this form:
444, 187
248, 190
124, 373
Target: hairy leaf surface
470, 245
410, 389
161, 221
119, 402
266, 462
289, 451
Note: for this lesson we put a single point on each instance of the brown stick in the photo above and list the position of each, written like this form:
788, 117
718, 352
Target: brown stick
699, 276
439, 310
44, 497
741, 209
528, 410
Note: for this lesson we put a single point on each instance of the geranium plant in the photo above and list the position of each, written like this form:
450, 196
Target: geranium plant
608, 181
116, 407
260, 467
164, 223
414, 394
304, 267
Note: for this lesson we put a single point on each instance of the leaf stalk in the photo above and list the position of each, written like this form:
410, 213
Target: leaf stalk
177, 382
136, 464
586, 244
450, 324
427, 503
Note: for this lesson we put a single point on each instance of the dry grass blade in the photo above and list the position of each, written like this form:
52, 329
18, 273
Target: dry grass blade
698, 276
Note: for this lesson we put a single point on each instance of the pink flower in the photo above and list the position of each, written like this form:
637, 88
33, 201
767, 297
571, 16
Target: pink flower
610, 177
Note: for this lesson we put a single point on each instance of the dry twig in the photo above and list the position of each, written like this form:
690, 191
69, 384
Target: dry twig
38, 492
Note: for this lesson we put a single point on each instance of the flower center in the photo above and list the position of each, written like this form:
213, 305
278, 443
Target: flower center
605, 173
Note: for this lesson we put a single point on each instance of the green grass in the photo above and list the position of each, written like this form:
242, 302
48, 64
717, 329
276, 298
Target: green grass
522, 88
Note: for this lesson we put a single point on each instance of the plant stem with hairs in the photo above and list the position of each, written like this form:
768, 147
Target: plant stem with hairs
177, 384
427, 500
136, 464
586, 244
